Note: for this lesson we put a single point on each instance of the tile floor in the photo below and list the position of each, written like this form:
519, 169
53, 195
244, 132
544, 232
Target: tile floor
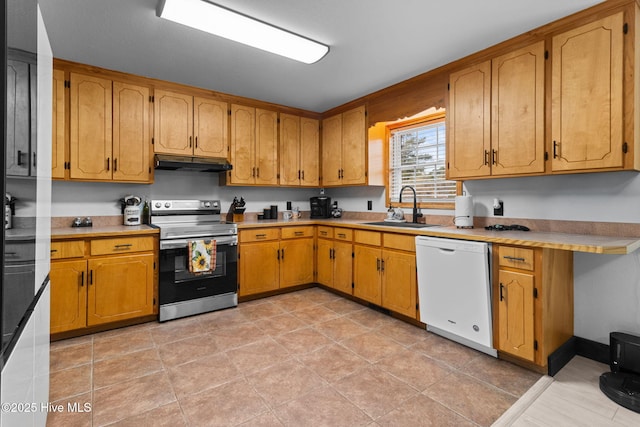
308, 358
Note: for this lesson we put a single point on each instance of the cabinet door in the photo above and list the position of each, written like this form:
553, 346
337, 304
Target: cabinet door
332, 150
515, 314
18, 119
587, 96
290, 155
366, 273
325, 262
58, 126
91, 128
120, 288
354, 147
266, 148
399, 282
259, 267
68, 295
309, 152
296, 262
517, 119
131, 133
469, 122
242, 143
343, 266
210, 125
173, 126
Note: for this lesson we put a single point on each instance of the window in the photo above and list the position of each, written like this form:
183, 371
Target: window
417, 158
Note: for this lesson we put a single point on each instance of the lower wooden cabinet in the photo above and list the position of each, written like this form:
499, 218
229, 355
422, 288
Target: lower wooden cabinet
334, 261
89, 290
532, 300
384, 270
274, 258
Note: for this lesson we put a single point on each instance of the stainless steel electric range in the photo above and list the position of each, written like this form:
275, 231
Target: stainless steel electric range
181, 292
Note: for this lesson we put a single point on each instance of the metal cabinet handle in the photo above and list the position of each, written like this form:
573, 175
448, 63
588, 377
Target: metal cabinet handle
54, 251
123, 245
298, 233
258, 172
378, 264
324, 233
494, 156
108, 163
282, 254
190, 141
115, 165
91, 277
19, 158
196, 142
555, 149
501, 291
344, 236
299, 174
303, 175
82, 279
382, 265
261, 236
34, 160
486, 157
512, 258
339, 174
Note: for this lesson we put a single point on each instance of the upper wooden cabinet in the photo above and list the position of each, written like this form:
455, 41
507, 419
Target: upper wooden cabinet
344, 148
189, 125
254, 146
496, 116
299, 151
109, 130
587, 96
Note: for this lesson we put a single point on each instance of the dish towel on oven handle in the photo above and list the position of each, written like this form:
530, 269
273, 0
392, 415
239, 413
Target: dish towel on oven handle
202, 256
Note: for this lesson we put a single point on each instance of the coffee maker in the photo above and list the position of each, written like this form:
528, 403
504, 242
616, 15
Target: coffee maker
320, 207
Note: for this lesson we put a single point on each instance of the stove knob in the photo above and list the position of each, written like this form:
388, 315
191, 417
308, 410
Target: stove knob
207, 204
158, 204
167, 205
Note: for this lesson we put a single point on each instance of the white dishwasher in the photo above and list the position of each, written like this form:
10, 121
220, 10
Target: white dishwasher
454, 288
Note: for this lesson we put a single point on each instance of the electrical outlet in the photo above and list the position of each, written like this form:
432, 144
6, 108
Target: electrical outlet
369, 205
322, 191
498, 208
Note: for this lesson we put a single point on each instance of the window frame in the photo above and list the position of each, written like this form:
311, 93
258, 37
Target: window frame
414, 122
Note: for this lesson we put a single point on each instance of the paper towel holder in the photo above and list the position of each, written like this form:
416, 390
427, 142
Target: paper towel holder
463, 212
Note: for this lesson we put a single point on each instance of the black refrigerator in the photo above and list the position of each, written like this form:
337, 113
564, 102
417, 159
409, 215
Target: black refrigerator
25, 240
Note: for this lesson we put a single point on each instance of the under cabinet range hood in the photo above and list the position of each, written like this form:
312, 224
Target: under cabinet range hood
199, 164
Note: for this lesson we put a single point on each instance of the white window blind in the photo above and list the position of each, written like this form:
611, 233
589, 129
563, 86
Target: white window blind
417, 158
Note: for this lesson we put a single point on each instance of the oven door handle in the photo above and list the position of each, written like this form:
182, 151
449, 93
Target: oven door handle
182, 243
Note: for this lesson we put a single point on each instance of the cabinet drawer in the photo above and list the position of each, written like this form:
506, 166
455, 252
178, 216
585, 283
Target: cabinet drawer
343, 234
121, 245
373, 238
70, 249
325, 232
296, 232
516, 257
403, 242
259, 234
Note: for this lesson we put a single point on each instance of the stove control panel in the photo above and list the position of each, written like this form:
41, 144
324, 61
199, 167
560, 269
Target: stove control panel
168, 207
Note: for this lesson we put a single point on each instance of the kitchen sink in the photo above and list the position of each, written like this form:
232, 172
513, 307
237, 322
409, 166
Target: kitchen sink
401, 224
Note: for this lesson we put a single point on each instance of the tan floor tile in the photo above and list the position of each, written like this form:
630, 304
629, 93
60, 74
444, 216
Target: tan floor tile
267, 419
281, 324
445, 350
202, 374
70, 382
415, 369
320, 296
502, 374
303, 340
422, 411
64, 357
106, 346
321, 407
71, 342
122, 368
284, 381
372, 346
340, 328
67, 418
186, 350
227, 405
259, 312
258, 355
404, 333
372, 319
471, 398
374, 391
292, 302
175, 330
344, 306
333, 362
130, 398
315, 314
236, 336
169, 415
222, 318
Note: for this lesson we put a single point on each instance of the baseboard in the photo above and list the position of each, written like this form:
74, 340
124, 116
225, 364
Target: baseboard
561, 356
576, 346
592, 350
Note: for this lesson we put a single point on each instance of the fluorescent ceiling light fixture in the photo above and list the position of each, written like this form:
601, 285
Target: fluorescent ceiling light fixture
231, 25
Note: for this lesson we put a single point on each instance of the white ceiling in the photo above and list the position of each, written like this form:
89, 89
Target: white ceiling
374, 43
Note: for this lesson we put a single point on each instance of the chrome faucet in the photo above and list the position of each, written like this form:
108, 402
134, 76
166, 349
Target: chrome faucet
415, 202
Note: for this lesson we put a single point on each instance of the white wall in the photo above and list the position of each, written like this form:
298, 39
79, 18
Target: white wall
607, 287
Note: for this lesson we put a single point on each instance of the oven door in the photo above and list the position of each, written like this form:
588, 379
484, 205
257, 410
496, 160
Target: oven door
178, 284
